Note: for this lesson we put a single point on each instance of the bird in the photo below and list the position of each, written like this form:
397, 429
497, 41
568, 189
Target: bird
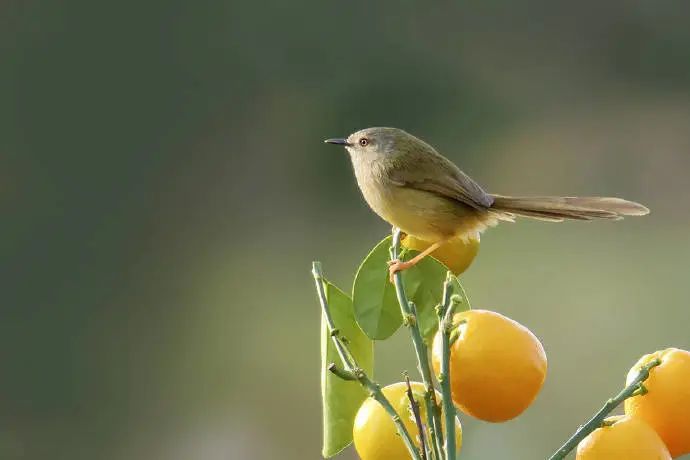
419, 191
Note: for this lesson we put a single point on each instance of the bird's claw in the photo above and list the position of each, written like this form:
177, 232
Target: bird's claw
395, 266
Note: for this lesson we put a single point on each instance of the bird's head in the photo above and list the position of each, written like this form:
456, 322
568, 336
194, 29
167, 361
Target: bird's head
379, 143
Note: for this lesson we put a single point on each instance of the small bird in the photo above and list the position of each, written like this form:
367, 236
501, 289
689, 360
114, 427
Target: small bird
416, 189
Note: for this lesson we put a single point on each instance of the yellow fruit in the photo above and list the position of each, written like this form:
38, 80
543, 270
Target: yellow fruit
497, 366
666, 406
374, 432
627, 438
456, 254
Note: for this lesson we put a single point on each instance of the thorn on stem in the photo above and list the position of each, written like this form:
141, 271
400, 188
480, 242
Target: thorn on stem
641, 390
342, 373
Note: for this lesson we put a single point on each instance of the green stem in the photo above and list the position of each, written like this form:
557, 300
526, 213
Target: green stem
342, 373
321, 291
352, 369
408, 312
445, 326
432, 413
414, 405
596, 421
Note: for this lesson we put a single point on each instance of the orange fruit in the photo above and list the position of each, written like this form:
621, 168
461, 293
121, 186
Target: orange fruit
374, 433
666, 406
627, 438
497, 366
455, 254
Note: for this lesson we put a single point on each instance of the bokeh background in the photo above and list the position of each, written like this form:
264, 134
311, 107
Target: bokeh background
164, 188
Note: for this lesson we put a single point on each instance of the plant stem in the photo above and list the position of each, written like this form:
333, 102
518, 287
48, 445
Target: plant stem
596, 421
417, 417
445, 327
351, 367
410, 320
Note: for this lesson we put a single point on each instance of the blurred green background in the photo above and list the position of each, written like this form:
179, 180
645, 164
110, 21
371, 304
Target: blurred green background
164, 188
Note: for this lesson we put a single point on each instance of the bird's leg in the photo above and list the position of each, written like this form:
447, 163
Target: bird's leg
395, 266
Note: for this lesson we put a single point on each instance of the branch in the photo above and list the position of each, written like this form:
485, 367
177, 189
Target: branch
417, 416
353, 370
409, 315
636, 387
445, 327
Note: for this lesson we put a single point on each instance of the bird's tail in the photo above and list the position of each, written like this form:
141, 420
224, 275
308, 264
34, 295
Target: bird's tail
557, 209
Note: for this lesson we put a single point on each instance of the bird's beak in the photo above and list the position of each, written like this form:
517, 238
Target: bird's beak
338, 142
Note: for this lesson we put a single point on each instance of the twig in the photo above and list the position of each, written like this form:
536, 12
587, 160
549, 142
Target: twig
445, 327
342, 373
417, 416
410, 320
635, 387
353, 370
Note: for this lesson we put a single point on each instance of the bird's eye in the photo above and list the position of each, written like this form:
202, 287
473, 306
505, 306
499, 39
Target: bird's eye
364, 142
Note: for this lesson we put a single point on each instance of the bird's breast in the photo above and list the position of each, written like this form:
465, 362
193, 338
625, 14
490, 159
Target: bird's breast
376, 192
422, 214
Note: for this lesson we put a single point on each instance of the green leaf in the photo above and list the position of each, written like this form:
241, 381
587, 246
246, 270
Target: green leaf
376, 306
341, 399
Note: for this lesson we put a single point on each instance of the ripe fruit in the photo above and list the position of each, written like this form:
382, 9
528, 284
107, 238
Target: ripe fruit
497, 366
455, 254
626, 438
374, 432
666, 406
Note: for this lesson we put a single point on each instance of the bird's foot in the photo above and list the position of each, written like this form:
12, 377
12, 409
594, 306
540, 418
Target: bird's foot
395, 266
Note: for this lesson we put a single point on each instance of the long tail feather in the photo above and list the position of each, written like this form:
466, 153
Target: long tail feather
556, 208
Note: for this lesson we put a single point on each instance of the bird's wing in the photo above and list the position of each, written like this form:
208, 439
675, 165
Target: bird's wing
436, 174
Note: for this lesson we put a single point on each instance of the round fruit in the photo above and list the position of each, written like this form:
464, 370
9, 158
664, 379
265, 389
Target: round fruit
497, 366
666, 406
374, 433
623, 437
455, 254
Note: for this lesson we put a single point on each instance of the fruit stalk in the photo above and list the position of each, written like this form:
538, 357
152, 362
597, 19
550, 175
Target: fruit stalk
410, 320
352, 369
445, 326
635, 387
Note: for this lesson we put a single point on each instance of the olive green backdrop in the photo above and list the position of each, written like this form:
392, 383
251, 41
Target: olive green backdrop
164, 188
